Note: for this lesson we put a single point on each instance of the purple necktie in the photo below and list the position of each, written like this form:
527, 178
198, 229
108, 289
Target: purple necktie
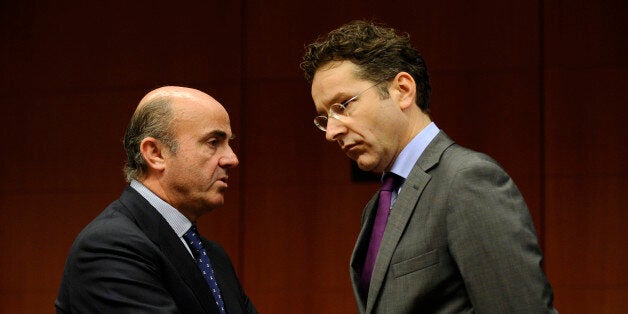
383, 209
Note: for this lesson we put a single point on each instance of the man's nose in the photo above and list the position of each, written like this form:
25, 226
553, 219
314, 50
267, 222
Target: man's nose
335, 130
230, 160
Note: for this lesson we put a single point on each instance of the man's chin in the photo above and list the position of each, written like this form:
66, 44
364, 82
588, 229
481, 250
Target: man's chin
217, 201
214, 201
365, 165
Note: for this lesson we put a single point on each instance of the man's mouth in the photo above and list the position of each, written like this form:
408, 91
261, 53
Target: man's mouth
347, 148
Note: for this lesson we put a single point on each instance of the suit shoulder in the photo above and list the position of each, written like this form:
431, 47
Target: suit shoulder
458, 158
111, 229
110, 221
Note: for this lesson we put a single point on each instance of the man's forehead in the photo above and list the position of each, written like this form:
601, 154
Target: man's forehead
330, 82
205, 118
334, 69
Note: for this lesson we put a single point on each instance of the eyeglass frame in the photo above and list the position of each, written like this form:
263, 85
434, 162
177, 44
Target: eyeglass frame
338, 114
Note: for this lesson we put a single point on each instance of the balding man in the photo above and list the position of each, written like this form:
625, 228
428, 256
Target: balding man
142, 254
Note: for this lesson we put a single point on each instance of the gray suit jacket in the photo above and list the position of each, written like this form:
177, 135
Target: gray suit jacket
129, 260
459, 239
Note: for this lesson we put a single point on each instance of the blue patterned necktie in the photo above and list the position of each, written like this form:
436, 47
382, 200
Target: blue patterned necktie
202, 260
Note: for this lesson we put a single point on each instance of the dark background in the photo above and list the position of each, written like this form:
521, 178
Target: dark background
538, 85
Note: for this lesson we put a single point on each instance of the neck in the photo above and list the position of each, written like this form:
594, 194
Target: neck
417, 123
156, 186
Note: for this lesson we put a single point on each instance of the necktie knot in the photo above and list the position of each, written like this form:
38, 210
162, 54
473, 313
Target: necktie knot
193, 240
390, 182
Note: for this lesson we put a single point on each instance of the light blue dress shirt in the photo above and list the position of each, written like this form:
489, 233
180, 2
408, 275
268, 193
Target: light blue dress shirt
179, 223
411, 153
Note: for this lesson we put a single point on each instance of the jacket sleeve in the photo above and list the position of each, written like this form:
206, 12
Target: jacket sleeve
492, 239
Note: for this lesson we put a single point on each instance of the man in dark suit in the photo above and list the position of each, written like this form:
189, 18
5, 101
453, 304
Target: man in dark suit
140, 254
453, 233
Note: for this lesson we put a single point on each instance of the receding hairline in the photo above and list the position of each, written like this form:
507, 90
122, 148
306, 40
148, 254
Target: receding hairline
173, 93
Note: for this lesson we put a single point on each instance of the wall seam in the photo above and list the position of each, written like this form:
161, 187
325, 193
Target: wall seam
542, 117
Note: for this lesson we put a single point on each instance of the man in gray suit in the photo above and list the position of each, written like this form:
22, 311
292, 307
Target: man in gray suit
457, 235
142, 254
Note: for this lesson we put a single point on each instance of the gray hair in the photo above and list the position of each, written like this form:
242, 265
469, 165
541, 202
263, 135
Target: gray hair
152, 119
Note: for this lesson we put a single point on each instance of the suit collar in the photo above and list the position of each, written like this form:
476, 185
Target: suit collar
434, 151
179, 223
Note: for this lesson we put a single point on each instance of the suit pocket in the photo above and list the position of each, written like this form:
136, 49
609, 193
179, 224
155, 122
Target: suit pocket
414, 264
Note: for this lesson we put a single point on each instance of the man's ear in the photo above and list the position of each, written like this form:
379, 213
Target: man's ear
404, 88
152, 150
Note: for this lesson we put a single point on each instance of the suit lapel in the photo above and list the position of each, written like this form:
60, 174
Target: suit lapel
159, 231
401, 212
397, 220
359, 251
180, 258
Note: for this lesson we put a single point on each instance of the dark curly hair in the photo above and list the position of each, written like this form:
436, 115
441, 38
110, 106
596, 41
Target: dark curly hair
378, 51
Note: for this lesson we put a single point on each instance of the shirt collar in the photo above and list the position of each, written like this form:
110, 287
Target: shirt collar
179, 223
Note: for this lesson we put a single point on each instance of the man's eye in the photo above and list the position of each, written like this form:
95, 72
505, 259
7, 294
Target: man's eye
345, 104
348, 102
213, 142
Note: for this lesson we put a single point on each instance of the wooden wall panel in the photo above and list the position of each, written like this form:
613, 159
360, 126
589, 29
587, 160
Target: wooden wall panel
586, 184
302, 214
72, 74
538, 86
585, 80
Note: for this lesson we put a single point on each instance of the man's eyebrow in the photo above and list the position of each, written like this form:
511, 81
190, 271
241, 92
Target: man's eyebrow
338, 98
218, 134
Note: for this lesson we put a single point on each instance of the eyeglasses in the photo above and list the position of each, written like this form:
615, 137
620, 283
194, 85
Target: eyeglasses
337, 111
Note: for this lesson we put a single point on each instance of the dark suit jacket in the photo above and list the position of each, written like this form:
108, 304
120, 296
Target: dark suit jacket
129, 260
459, 239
